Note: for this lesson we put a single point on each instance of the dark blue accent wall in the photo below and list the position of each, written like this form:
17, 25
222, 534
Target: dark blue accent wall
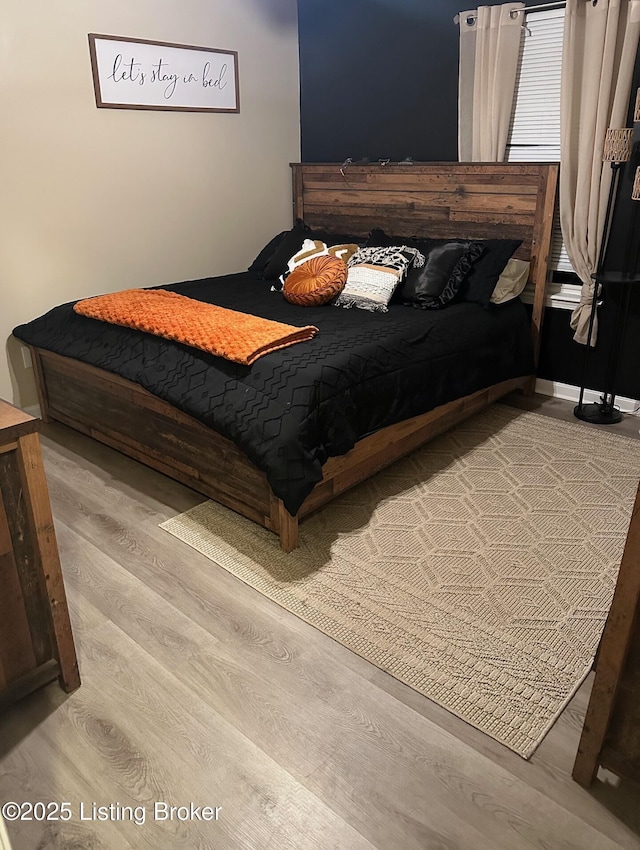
378, 80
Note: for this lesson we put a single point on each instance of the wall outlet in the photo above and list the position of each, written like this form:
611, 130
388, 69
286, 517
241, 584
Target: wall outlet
26, 358
608, 777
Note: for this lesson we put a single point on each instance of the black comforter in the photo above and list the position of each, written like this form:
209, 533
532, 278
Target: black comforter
294, 408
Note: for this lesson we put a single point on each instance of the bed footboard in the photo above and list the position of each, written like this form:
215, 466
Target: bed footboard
130, 419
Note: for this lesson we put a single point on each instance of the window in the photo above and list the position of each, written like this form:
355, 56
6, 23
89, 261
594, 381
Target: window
534, 132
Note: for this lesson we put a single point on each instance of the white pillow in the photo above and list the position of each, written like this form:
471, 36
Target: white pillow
511, 282
368, 287
374, 274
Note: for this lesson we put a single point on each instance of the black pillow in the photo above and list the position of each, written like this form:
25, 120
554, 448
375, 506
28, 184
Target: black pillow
379, 239
286, 248
479, 284
336, 238
258, 265
291, 242
436, 284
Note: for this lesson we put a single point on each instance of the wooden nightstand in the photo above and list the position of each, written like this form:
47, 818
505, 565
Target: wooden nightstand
36, 643
611, 733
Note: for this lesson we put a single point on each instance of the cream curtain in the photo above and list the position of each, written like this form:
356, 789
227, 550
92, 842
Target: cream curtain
599, 52
489, 50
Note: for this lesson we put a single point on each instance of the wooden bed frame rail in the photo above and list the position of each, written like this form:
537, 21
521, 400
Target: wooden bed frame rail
436, 199
129, 418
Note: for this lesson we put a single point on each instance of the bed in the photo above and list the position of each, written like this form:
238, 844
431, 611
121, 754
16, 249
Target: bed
278, 478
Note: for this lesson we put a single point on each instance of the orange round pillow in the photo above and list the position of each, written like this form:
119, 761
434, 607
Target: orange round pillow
316, 281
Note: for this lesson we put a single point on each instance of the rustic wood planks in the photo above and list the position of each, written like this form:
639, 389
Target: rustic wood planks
36, 644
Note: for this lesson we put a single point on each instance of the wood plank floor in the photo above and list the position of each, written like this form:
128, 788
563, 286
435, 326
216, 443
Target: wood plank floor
196, 689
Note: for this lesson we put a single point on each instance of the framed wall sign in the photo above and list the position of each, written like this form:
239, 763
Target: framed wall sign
133, 73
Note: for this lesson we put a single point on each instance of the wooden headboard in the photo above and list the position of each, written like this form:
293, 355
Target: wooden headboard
439, 200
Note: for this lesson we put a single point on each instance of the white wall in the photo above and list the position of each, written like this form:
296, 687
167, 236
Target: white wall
95, 200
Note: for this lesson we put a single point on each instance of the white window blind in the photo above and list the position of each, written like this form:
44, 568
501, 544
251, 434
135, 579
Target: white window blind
534, 132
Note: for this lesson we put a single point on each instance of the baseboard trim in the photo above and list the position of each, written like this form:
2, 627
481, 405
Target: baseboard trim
556, 389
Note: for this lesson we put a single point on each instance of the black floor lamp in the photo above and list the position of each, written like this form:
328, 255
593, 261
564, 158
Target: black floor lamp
617, 150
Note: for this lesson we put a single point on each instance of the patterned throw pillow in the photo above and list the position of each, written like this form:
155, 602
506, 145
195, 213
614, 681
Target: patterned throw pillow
310, 249
374, 273
344, 252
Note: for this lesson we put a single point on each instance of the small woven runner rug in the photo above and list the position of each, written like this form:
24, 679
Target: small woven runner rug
479, 570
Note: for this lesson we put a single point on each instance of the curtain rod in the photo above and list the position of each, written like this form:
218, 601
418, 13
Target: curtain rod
553, 5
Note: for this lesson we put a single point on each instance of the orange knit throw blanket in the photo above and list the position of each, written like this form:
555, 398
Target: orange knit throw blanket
235, 336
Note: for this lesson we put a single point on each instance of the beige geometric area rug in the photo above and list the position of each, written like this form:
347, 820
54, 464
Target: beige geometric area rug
479, 570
